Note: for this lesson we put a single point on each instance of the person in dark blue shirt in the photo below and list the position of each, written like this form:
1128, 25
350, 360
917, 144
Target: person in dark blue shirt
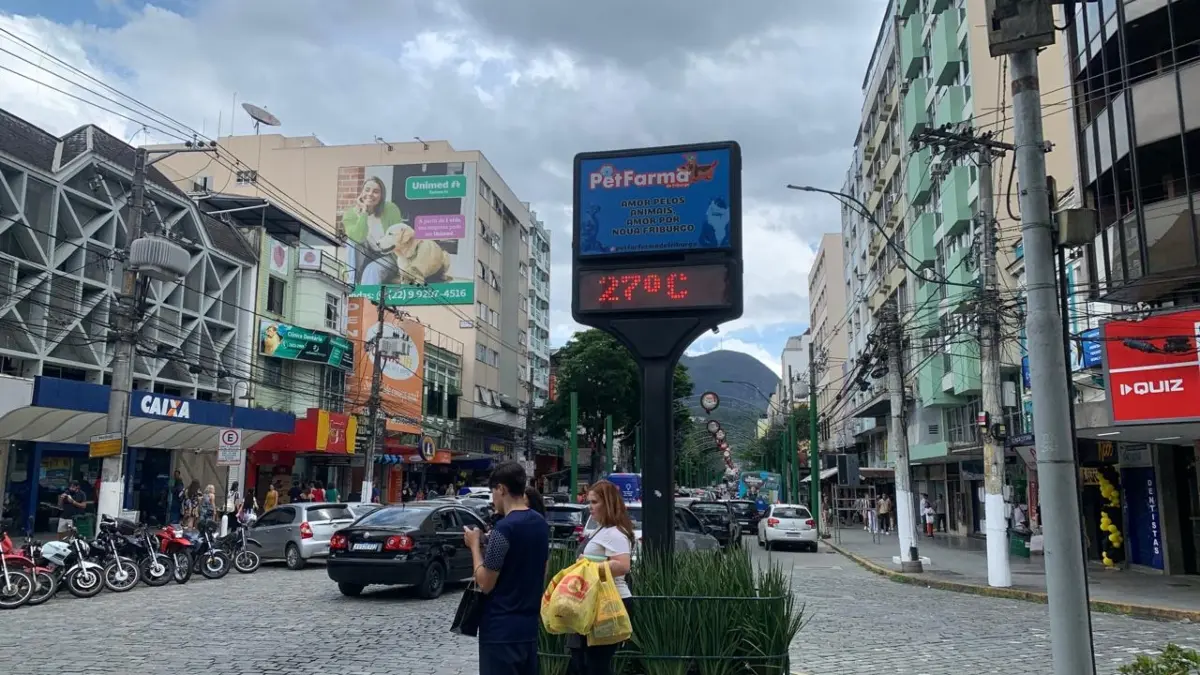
510, 570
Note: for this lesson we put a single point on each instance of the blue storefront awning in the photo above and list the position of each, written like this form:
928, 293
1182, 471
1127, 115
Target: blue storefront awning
67, 411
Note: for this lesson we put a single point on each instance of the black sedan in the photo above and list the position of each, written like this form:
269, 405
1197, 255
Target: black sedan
718, 518
746, 513
418, 544
566, 524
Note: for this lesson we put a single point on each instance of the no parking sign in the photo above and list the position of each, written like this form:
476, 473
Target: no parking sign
229, 447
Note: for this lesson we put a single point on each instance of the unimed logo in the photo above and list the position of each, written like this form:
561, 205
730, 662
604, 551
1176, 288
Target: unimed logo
1155, 387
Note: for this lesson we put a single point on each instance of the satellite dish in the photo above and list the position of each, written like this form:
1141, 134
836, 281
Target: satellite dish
260, 115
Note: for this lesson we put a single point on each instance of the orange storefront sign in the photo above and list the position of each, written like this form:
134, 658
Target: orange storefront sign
403, 373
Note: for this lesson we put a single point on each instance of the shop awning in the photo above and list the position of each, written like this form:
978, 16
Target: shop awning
66, 411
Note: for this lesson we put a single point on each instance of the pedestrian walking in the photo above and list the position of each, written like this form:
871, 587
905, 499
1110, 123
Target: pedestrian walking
332, 494
939, 510
272, 498
510, 571
207, 509
885, 514
191, 505
928, 516
612, 543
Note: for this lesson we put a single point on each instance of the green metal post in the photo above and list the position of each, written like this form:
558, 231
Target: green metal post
608, 446
785, 478
574, 446
814, 456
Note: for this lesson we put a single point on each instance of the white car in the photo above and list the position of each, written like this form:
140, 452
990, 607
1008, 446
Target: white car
787, 525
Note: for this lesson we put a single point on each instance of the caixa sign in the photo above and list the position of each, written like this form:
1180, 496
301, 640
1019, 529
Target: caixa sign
164, 406
1152, 368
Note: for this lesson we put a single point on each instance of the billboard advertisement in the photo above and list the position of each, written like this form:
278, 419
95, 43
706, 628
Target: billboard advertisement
1152, 368
285, 341
656, 203
403, 374
411, 228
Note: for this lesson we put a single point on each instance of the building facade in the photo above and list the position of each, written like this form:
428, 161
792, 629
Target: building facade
919, 254
1135, 123
539, 310
828, 310
64, 214
477, 287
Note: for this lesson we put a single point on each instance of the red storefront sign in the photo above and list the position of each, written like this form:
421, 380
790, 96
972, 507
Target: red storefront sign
1153, 386
319, 431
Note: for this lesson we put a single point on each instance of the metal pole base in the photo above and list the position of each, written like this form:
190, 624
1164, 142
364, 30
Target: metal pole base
911, 567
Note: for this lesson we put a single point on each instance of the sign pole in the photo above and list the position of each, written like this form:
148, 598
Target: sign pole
574, 446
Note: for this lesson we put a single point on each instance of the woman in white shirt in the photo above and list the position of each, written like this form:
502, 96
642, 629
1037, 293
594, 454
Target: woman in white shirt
612, 543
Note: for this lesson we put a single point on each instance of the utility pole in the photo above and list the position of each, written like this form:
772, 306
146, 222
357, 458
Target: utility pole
373, 403
955, 145
574, 446
1019, 30
910, 557
608, 446
164, 260
529, 422
794, 438
814, 452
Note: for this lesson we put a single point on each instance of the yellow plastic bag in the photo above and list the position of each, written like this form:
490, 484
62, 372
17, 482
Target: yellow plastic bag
569, 603
612, 625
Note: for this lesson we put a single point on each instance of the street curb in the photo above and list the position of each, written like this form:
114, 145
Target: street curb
1124, 609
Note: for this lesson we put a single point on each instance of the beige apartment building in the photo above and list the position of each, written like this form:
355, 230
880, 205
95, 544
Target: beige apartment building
479, 292
827, 321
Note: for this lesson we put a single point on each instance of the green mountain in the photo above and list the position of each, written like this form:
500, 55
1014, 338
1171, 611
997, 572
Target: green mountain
722, 372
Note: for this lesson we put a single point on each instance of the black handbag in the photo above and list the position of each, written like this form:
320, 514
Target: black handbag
469, 612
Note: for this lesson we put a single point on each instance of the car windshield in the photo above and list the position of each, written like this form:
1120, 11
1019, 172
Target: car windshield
790, 512
709, 510
571, 516
399, 517
743, 508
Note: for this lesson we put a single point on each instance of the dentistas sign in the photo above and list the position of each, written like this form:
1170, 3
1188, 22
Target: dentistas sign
1160, 385
285, 341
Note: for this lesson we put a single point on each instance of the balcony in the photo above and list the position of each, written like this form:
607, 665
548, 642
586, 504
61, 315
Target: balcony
938, 6
320, 262
917, 177
541, 287
912, 49
945, 56
921, 319
955, 203
952, 108
539, 346
540, 317
541, 380
920, 239
915, 118
929, 383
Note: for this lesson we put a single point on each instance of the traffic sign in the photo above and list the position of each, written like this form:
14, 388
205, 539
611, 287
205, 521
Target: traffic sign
428, 449
230, 439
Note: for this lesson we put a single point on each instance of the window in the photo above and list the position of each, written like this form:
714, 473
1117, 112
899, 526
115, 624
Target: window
482, 269
443, 369
524, 269
524, 304
521, 337
333, 311
481, 353
275, 294
524, 234
494, 318
333, 389
494, 279
272, 372
481, 310
485, 190
283, 515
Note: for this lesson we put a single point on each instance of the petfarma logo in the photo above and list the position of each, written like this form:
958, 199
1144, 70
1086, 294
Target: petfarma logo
160, 406
608, 177
1155, 387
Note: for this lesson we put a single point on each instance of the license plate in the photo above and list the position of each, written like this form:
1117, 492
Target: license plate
366, 547
793, 534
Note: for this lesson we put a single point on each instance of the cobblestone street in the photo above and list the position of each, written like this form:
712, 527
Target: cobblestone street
277, 621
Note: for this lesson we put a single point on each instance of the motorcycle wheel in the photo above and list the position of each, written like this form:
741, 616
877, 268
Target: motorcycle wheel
183, 567
84, 583
246, 562
157, 571
47, 586
121, 574
214, 564
15, 590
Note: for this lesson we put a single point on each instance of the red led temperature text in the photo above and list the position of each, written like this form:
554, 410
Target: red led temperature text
631, 286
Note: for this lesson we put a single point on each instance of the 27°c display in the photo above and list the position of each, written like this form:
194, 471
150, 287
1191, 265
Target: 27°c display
661, 287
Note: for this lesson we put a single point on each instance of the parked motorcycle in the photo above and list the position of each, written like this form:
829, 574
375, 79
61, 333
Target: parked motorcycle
121, 573
208, 558
72, 561
29, 558
237, 545
157, 568
173, 543
15, 585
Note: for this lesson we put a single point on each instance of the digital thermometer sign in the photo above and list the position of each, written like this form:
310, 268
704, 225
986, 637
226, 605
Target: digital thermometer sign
654, 288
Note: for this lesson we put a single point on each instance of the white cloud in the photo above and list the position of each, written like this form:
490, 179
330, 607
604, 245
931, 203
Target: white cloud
736, 345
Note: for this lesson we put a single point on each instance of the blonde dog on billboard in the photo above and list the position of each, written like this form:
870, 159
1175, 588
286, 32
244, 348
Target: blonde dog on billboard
419, 260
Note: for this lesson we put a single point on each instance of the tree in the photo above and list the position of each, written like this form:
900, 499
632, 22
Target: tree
764, 452
603, 374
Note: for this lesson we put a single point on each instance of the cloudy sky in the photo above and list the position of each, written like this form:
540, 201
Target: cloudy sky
528, 82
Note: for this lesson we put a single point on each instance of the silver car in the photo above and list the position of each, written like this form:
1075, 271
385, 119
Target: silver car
301, 531
690, 533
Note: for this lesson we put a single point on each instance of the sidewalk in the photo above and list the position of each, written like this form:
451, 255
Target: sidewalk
960, 564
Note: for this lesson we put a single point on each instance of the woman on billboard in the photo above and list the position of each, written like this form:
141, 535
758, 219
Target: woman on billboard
367, 224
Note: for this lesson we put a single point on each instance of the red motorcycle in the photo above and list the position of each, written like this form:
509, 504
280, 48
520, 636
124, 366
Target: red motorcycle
173, 543
22, 581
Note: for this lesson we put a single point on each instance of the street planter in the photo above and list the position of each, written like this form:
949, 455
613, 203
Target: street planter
701, 613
